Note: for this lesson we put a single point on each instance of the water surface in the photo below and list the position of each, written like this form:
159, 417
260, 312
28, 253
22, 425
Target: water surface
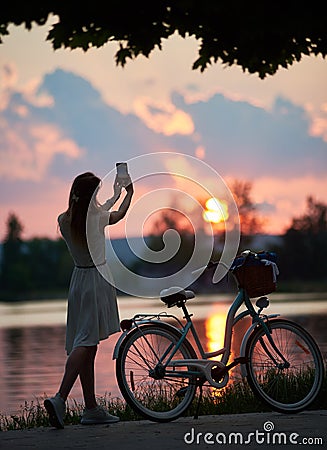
32, 339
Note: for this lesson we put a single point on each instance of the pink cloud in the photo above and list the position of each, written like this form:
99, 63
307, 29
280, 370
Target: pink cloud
163, 117
27, 149
319, 127
34, 97
318, 118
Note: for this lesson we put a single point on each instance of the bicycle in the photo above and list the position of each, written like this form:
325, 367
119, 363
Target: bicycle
158, 370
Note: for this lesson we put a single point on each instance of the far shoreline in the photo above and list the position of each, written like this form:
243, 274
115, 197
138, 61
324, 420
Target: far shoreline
301, 290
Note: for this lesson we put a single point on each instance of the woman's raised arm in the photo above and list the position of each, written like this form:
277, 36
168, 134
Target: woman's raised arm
116, 216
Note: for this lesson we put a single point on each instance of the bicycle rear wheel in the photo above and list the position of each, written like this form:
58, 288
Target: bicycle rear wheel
285, 388
156, 393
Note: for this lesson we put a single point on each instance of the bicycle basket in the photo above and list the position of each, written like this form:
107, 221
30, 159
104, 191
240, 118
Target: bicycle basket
256, 272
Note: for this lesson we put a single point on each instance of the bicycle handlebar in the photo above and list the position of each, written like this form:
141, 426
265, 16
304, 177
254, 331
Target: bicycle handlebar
208, 266
245, 254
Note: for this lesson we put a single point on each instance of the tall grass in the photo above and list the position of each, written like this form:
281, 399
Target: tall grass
33, 414
235, 398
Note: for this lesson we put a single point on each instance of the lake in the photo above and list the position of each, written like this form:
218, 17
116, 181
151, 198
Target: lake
32, 339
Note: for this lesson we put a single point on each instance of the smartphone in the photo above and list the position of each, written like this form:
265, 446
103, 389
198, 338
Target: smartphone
122, 173
122, 169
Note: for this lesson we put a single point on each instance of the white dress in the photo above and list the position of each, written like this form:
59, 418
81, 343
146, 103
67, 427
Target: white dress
92, 303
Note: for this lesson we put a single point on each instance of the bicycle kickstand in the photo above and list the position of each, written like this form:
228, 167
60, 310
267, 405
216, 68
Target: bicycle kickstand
196, 415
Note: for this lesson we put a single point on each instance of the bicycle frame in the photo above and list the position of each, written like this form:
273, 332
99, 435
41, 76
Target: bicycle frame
204, 364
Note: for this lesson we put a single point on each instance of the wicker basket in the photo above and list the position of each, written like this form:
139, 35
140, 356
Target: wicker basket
257, 280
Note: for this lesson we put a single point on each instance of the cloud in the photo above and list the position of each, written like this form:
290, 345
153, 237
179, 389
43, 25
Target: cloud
8, 75
163, 117
8, 78
34, 95
107, 134
233, 136
28, 142
318, 116
30, 90
250, 141
73, 129
27, 150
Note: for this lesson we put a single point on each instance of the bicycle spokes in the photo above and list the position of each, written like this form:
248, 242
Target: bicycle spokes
152, 389
286, 368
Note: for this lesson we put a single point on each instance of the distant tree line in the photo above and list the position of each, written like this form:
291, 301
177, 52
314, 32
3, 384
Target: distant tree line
303, 255
41, 267
32, 268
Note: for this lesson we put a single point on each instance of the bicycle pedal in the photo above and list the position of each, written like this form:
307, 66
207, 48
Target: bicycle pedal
241, 360
238, 360
218, 373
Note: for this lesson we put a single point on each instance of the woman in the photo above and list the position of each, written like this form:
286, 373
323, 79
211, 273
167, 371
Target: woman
92, 305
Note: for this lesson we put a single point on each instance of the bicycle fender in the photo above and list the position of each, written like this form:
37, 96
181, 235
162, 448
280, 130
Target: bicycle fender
140, 325
245, 341
121, 339
118, 343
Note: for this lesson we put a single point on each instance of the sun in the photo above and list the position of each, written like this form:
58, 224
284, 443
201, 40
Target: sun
216, 210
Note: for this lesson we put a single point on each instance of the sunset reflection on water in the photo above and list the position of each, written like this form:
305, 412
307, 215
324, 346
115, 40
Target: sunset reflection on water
215, 331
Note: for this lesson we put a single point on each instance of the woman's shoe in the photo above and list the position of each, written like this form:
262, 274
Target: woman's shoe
56, 409
97, 415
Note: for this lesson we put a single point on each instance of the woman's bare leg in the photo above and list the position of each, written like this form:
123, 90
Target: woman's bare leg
86, 376
75, 362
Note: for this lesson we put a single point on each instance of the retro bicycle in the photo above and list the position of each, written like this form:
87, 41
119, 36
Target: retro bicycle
158, 370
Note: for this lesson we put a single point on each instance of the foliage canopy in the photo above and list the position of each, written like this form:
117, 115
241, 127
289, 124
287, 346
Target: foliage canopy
258, 36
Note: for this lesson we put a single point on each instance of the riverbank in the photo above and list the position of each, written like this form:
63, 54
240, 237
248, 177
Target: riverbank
256, 430
289, 287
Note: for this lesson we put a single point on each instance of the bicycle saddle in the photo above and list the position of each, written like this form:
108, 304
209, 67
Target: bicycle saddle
175, 296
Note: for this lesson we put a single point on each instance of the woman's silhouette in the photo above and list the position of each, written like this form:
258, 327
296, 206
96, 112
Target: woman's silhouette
92, 305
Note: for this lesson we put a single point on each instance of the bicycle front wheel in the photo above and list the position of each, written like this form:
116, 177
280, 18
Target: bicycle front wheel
156, 392
286, 387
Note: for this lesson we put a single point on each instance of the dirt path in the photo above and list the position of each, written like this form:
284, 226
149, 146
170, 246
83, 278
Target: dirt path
260, 431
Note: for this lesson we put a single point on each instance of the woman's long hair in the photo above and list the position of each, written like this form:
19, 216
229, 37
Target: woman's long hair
83, 188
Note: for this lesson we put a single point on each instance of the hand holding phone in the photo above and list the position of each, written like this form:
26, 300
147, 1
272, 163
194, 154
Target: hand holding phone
122, 177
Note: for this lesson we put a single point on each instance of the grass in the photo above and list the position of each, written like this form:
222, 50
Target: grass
33, 414
236, 398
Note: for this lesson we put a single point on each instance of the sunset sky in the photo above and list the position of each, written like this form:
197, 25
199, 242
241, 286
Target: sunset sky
65, 112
